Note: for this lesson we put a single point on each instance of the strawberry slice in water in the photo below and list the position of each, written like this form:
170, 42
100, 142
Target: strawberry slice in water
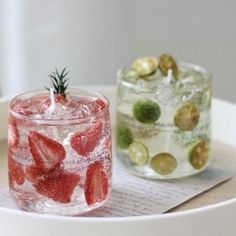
99, 104
96, 186
85, 141
58, 186
60, 99
16, 171
13, 133
46, 152
33, 173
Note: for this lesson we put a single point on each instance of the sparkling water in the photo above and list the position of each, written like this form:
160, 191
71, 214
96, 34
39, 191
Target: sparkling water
173, 141
60, 158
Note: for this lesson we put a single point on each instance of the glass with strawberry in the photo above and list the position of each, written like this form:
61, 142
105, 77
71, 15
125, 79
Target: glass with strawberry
59, 149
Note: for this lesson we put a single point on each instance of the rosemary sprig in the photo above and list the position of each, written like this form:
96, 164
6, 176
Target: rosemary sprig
59, 82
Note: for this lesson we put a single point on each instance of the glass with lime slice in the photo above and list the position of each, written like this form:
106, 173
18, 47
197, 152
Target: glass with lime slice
164, 107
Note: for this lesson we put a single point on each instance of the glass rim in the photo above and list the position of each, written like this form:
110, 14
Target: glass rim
61, 121
207, 76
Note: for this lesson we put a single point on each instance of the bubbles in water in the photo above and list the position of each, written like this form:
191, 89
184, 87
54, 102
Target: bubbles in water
58, 112
39, 107
190, 86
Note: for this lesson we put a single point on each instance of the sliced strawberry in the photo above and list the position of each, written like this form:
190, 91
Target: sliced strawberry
33, 173
16, 171
84, 142
58, 187
46, 152
60, 99
13, 134
96, 186
99, 105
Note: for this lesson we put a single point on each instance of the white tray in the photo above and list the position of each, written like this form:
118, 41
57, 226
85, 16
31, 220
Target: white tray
216, 219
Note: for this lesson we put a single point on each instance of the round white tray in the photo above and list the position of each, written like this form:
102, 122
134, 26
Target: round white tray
214, 219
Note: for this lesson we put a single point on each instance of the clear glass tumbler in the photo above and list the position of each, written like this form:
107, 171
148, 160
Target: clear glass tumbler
59, 151
163, 119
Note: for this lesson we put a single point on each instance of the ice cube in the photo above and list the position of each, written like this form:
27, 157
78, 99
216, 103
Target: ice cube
32, 106
190, 78
166, 92
58, 111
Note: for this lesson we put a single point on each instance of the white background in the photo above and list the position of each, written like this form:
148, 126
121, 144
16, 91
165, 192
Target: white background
94, 38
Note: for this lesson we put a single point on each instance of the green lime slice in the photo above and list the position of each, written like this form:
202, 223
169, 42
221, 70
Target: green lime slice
199, 154
124, 136
146, 111
167, 62
138, 153
203, 99
145, 66
163, 163
187, 117
129, 74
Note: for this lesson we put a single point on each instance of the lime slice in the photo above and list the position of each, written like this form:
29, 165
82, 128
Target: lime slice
199, 154
146, 111
138, 153
145, 66
163, 163
187, 117
124, 136
129, 74
167, 62
203, 99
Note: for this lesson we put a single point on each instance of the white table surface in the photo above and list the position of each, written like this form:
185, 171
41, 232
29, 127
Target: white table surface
212, 213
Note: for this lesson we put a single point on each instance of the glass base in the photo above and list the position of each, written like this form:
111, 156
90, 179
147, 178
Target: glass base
183, 170
31, 203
